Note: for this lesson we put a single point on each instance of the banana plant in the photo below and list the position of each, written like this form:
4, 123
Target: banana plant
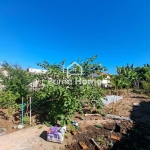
116, 83
143, 73
128, 73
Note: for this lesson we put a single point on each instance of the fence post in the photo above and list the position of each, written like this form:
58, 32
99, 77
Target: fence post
22, 111
30, 110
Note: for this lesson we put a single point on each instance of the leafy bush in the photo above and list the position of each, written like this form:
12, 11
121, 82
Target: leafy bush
26, 120
16, 80
146, 87
8, 100
61, 97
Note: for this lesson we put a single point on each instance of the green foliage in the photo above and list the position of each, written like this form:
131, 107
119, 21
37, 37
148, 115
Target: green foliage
26, 120
138, 77
128, 75
66, 135
98, 126
8, 100
119, 82
61, 97
146, 87
143, 73
90, 67
40, 127
116, 82
16, 80
127, 71
47, 123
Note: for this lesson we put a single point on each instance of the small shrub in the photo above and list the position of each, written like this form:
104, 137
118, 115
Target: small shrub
146, 87
40, 127
26, 120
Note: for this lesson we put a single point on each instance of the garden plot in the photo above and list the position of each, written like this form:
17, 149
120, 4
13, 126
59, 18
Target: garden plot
131, 136
131, 132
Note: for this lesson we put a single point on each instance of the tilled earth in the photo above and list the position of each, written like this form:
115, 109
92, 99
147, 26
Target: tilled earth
132, 136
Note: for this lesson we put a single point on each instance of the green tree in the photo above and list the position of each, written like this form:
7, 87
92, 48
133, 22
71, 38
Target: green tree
61, 97
89, 66
8, 100
16, 79
119, 82
129, 75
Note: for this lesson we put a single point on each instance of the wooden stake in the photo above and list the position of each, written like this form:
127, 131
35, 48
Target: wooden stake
30, 110
99, 148
22, 111
27, 106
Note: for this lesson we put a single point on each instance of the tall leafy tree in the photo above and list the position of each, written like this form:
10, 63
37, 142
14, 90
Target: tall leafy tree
129, 74
62, 96
15, 79
89, 66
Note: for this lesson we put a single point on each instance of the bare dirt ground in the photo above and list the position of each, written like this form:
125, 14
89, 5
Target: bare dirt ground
31, 138
9, 121
132, 135
126, 107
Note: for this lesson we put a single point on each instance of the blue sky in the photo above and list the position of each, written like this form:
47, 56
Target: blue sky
117, 31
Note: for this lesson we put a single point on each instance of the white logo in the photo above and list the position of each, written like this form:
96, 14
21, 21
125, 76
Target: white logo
74, 69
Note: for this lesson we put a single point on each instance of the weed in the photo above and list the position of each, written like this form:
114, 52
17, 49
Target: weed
26, 120
40, 127
47, 123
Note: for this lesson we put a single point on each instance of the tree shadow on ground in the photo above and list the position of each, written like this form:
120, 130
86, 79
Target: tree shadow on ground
3, 115
17, 116
39, 117
138, 137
